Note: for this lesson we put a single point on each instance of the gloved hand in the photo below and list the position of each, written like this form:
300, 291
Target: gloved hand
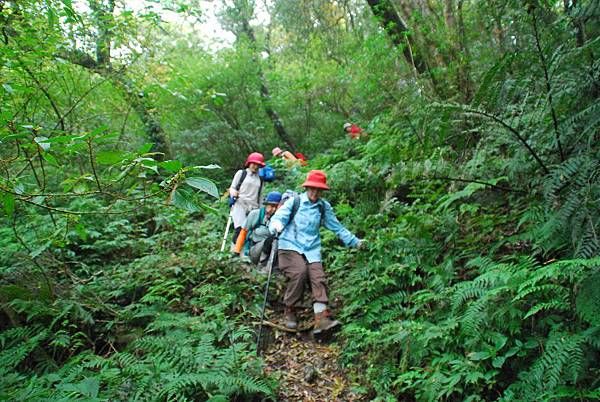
362, 244
276, 227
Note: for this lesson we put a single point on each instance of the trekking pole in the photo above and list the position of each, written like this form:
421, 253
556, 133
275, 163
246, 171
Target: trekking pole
232, 201
262, 311
226, 233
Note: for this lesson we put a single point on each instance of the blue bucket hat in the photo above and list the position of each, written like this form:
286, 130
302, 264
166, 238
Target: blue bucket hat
274, 197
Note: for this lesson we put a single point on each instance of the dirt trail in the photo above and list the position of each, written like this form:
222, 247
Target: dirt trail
307, 368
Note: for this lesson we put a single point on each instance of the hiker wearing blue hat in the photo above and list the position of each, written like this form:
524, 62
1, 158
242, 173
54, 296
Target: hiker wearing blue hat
255, 230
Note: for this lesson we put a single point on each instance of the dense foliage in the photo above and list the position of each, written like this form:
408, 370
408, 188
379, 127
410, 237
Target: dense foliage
477, 191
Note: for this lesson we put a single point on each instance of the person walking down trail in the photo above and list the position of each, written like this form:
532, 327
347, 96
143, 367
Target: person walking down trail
255, 231
298, 221
354, 132
245, 190
288, 158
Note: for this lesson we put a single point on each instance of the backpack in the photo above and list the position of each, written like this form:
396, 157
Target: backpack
261, 217
239, 185
292, 194
267, 173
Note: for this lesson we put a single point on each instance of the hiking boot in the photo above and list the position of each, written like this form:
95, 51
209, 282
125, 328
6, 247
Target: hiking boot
291, 321
323, 322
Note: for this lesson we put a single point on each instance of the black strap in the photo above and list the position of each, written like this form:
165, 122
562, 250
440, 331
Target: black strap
262, 181
295, 208
241, 180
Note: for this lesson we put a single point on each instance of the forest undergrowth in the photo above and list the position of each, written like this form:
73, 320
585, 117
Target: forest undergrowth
476, 189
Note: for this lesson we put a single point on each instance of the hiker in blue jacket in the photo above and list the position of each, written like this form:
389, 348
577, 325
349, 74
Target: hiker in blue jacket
298, 220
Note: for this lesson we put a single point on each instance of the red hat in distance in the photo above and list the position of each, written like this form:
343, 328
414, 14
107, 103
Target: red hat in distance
316, 179
255, 157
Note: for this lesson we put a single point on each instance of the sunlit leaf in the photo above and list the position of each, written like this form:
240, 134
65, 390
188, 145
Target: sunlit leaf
41, 141
211, 166
172, 166
111, 157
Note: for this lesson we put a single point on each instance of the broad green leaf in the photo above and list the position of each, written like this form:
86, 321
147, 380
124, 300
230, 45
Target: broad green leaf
172, 166
50, 159
14, 136
150, 167
203, 184
90, 387
111, 157
182, 199
98, 130
147, 161
60, 139
498, 362
9, 204
80, 229
144, 148
41, 141
211, 166
499, 341
479, 355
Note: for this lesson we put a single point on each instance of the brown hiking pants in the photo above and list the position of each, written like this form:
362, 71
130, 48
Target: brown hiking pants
298, 271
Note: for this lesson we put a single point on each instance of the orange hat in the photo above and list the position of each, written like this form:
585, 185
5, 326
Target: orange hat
316, 179
255, 157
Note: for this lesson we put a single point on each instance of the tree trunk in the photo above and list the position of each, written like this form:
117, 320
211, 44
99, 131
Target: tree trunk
398, 32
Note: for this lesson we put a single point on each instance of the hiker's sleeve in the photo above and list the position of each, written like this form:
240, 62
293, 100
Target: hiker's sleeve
331, 222
235, 180
282, 215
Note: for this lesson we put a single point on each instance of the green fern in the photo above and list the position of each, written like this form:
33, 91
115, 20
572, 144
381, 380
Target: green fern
588, 299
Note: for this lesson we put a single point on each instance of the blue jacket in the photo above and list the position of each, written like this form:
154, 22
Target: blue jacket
303, 235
